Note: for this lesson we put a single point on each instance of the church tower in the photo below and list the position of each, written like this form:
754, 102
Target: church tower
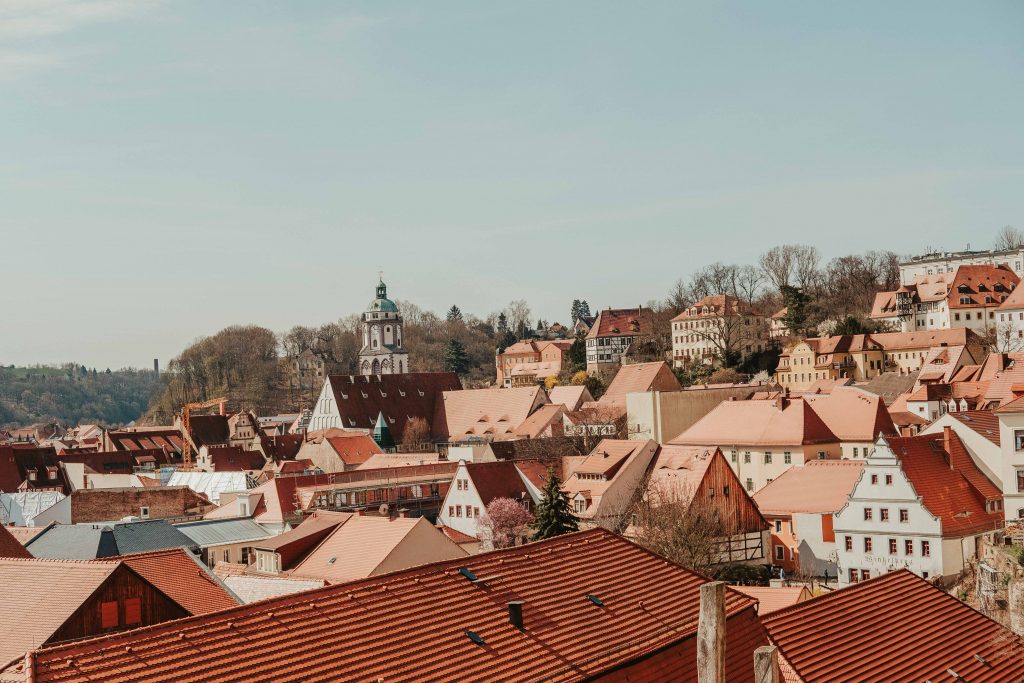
382, 352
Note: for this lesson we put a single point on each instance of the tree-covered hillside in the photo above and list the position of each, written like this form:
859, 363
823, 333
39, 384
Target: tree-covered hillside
73, 394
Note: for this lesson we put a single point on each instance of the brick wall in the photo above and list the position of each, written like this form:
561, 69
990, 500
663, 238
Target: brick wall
103, 505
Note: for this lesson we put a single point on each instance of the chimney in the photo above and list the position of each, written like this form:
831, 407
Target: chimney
515, 613
223, 408
156, 367
711, 633
947, 440
781, 403
907, 431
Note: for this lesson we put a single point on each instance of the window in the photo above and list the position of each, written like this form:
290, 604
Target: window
458, 510
246, 553
243, 508
780, 552
908, 547
926, 549
725, 490
778, 526
734, 458
581, 506
924, 575
227, 555
865, 574
1020, 480
767, 458
856, 451
849, 544
867, 544
883, 514
451, 510
867, 514
787, 458
746, 457
821, 455
476, 512
853, 576
750, 484
144, 512
132, 611
108, 614
888, 480
892, 546
874, 478
904, 515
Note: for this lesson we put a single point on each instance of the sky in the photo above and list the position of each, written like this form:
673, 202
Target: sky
171, 167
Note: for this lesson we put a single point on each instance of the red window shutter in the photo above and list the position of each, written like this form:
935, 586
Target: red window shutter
108, 614
133, 611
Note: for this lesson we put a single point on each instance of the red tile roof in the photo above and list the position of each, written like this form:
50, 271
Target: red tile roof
772, 599
896, 627
235, 459
780, 422
361, 398
499, 479
950, 485
853, 414
179, 576
354, 448
622, 322
412, 625
983, 422
493, 414
640, 377
209, 430
820, 486
716, 303
11, 546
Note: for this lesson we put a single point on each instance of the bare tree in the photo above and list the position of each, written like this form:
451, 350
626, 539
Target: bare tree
778, 264
518, 314
667, 522
678, 297
1003, 338
806, 260
1008, 238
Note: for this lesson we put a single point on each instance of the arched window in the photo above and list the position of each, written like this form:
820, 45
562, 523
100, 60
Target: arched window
376, 365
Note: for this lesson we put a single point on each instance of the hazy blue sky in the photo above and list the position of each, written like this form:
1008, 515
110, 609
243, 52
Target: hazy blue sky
169, 168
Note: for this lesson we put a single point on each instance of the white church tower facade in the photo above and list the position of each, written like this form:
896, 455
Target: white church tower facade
382, 352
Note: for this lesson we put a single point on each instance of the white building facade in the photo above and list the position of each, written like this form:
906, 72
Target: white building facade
382, 352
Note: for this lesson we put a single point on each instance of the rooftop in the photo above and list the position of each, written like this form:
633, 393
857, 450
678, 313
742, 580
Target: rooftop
820, 486
414, 625
896, 627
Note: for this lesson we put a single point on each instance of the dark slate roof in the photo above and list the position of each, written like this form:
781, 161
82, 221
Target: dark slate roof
361, 399
89, 541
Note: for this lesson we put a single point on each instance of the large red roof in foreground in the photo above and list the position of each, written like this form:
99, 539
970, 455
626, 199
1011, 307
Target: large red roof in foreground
411, 626
896, 627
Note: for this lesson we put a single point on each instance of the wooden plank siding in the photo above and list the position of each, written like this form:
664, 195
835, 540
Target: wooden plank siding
737, 508
119, 587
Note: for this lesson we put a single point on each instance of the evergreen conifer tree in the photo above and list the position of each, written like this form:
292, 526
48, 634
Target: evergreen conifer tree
455, 357
553, 516
454, 313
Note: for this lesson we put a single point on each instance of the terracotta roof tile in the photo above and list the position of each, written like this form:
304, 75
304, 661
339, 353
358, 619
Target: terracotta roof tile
782, 422
639, 377
489, 414
950, 484
360, 399
819, 486
772, 599
896, 627
11, 546
354, 448
412, 625
179, 575
498, 479
984, 422
622, 322
853, 414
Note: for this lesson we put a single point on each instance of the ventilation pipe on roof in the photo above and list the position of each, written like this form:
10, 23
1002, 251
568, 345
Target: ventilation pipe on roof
515, 613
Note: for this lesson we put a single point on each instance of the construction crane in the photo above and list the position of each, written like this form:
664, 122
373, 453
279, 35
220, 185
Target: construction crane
186, 428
